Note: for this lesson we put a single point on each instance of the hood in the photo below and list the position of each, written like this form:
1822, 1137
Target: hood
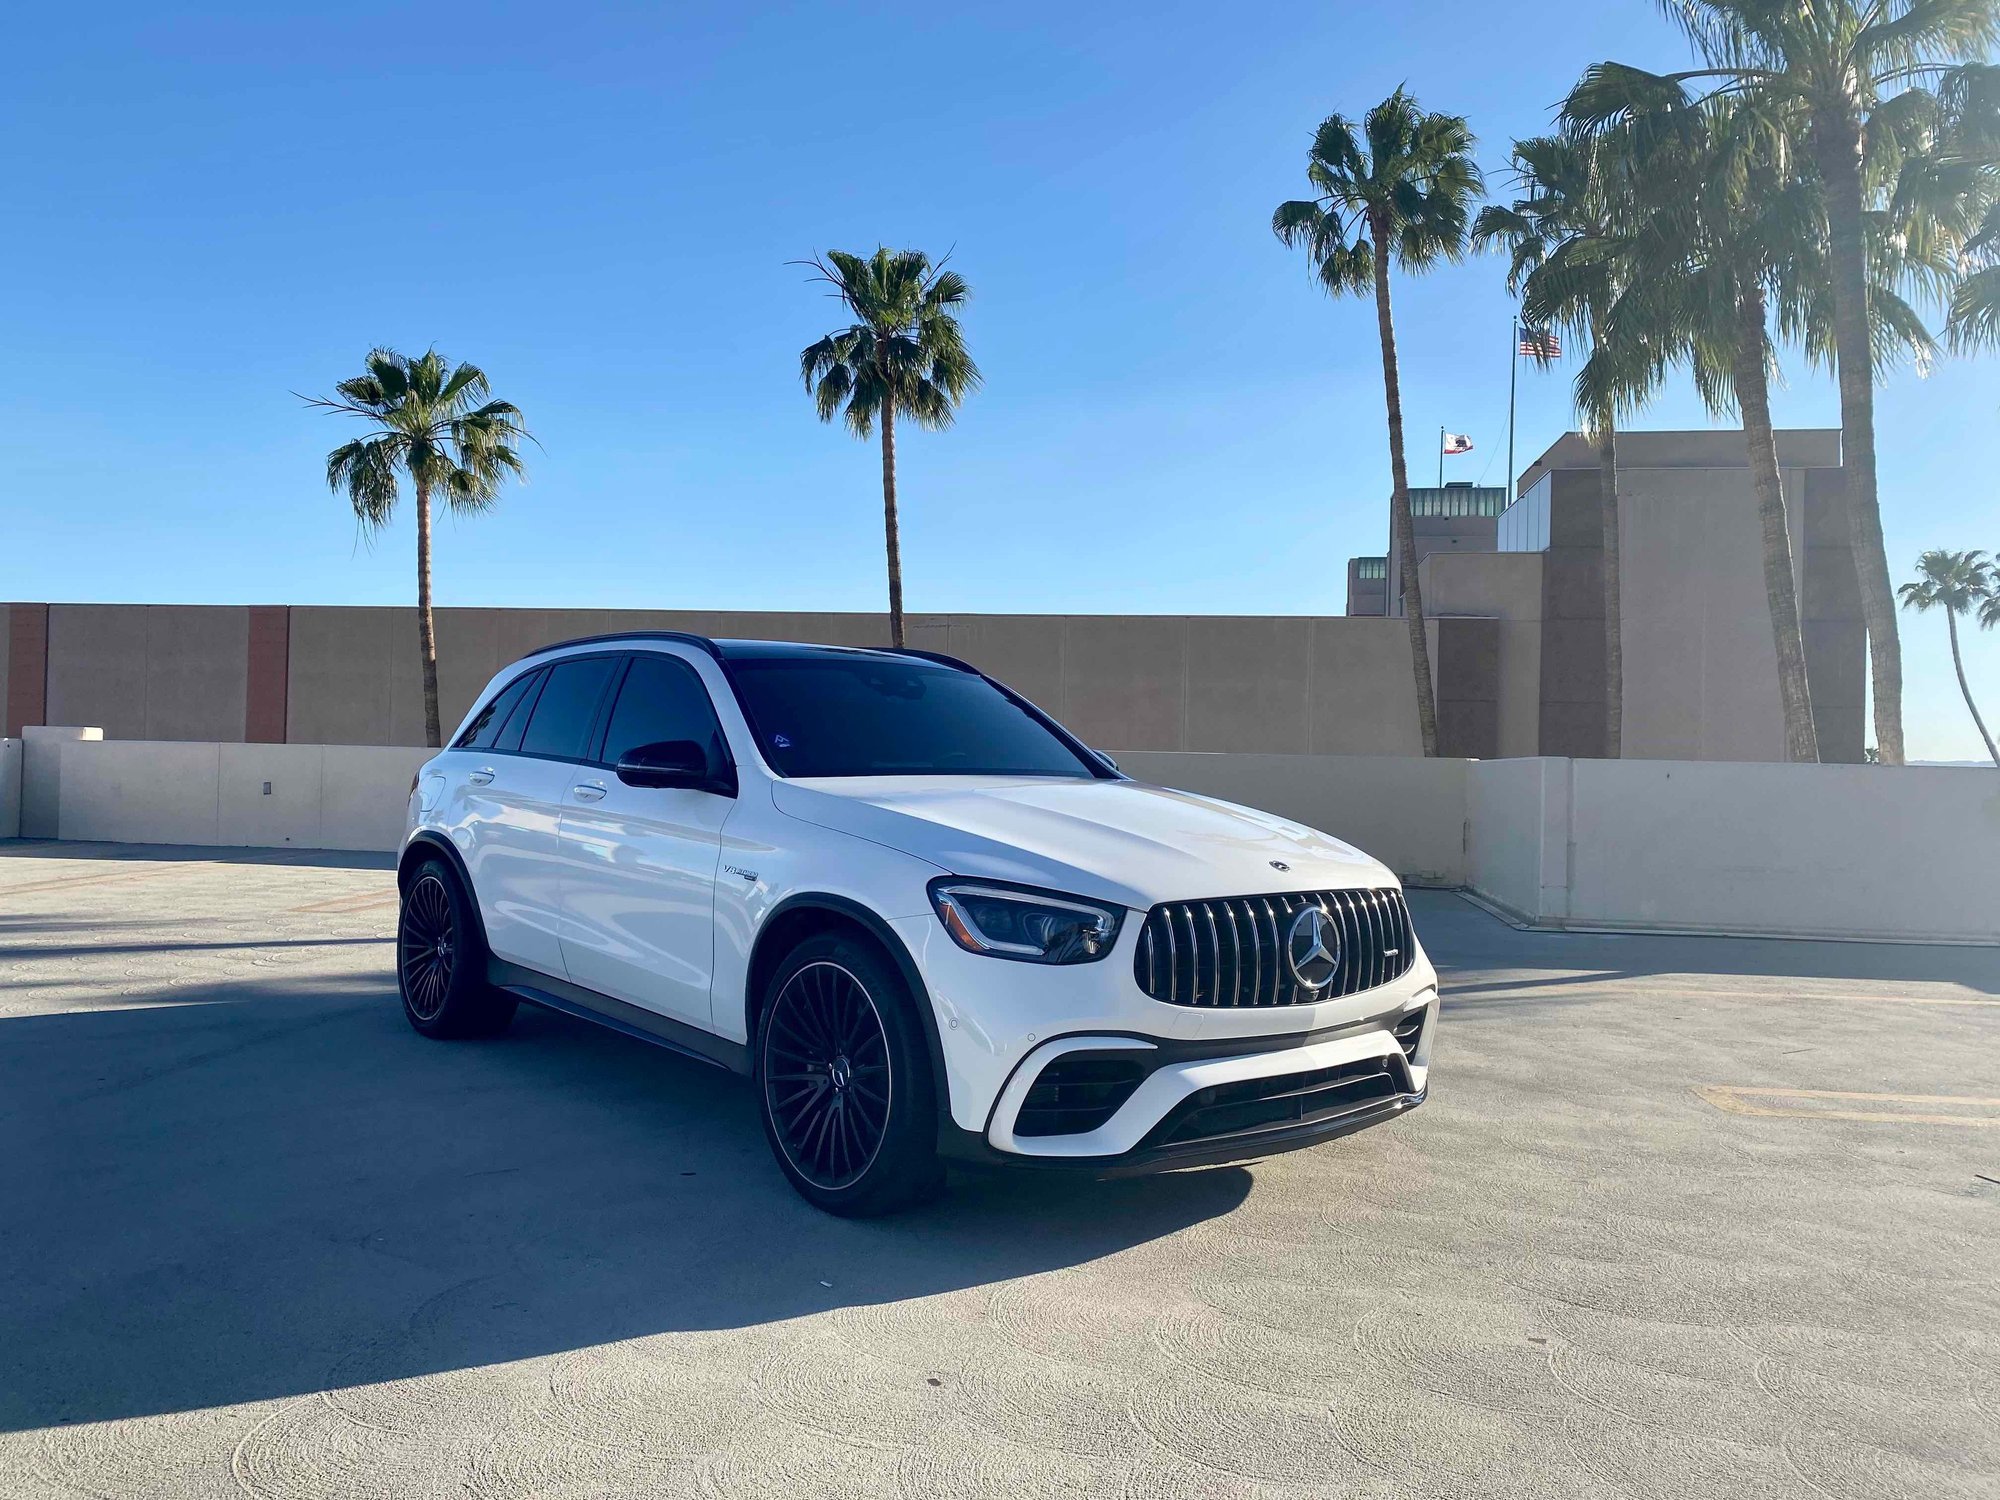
1120, 841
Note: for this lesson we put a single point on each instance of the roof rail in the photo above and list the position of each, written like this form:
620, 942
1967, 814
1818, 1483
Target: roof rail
682, 637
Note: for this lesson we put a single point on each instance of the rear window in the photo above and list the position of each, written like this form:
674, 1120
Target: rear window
489, 721
508, 736
564, 715
873, 716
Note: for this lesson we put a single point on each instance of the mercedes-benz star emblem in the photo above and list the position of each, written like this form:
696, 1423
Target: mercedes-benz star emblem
1314, 948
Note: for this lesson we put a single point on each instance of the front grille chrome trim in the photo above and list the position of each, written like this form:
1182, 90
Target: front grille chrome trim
1234, 948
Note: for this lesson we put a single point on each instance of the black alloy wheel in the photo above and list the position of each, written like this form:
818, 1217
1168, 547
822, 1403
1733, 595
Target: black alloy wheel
427, 948
829, 1084
441, 959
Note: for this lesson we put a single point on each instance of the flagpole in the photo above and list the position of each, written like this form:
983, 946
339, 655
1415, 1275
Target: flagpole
1513, 381
1440, 458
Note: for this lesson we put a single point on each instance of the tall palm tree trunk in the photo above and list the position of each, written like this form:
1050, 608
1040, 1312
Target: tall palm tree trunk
1837, 149
891, 529
1951, 619
1754, 396
1399, 501
426, 632
1614, 631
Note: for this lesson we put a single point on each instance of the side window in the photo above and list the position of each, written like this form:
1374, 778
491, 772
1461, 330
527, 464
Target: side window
563, 716
508, 737
486, 725
663, 699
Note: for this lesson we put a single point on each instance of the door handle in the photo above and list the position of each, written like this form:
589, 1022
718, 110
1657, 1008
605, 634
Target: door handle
587, 793
481, 776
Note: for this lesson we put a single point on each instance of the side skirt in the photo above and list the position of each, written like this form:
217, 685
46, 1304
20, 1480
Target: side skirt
634, 1021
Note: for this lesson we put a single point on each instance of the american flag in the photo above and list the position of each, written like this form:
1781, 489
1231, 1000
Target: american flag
1540, 343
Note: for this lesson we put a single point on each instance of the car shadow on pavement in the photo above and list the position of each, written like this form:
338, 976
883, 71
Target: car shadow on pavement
229, 1193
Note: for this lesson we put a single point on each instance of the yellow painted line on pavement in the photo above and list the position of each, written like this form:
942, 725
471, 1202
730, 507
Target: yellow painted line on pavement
116, 877
350, 903
1812, 1104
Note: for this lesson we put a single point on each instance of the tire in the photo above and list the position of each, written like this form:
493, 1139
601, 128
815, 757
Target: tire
441, 960
844, 1081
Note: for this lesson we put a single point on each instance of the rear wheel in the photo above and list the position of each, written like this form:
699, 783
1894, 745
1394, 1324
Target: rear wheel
441, 960
844, 1078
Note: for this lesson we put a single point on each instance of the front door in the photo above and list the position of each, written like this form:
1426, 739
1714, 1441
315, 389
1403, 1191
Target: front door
639, 863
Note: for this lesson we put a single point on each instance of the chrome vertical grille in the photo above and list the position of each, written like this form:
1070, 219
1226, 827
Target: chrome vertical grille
1232, 951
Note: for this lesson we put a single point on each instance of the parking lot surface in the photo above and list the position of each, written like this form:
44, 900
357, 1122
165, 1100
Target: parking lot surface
1683, 1217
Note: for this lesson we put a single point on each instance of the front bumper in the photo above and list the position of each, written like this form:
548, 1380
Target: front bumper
1292, 1104
1183, 1085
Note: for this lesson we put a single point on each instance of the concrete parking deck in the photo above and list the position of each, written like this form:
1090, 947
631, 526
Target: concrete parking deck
1682, 1217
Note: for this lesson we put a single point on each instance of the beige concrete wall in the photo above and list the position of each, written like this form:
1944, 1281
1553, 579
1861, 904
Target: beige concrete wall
1614, 845
1406, 811
1327, 685
1509, 807
41, 774
10, 786
1506, 586
1701, 671
149, 671
1705, 846
1713, 847
167, 792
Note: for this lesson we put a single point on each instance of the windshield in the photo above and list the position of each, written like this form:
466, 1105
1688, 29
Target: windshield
871, 716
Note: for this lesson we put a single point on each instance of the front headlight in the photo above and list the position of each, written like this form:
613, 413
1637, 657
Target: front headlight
1028, 926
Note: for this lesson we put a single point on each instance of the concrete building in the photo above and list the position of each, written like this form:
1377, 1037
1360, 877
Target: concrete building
1516, 636
1457, 517
345, 675
1700, 679
1367, 585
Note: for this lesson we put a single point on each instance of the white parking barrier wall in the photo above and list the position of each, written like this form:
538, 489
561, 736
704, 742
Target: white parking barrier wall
1864, 852
10, 788
264, 796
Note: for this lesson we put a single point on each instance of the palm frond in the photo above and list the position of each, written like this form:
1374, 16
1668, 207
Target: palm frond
906, 347
425, 425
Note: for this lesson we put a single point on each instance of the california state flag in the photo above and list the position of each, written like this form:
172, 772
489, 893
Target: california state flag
1456, 442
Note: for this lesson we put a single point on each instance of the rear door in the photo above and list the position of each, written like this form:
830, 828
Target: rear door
514, 790
640, 862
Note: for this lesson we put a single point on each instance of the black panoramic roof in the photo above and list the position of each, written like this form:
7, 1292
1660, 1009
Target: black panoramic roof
756, 650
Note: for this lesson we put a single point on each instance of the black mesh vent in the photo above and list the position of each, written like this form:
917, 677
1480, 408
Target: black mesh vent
1232, 951
1073, 1095
1409, 1031
1256, 1104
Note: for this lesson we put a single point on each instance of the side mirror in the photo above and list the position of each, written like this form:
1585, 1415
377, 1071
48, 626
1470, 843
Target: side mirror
674, 763
1107, 760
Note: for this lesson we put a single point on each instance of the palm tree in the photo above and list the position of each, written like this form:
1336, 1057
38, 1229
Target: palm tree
1730, 242
1830, 67
1961, 170
1563, 235
1720, 227
1955, 582
1400, 187
904, 354
432, 421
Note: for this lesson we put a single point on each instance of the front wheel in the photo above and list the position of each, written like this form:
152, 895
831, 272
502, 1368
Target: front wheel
844, 1078
441, 960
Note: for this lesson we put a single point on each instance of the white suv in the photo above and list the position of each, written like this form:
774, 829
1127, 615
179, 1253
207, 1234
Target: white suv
925, 919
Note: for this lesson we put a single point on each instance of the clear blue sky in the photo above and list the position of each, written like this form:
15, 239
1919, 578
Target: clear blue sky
207, 207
